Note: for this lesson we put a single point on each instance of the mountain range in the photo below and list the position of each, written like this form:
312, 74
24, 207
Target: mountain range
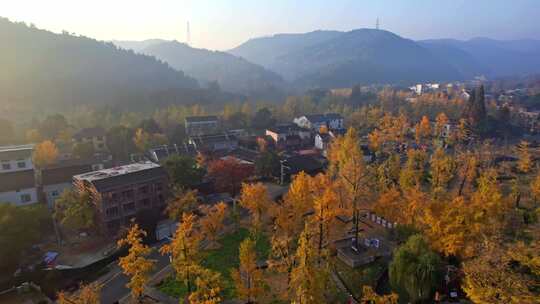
41, 69
231, 73
331, 58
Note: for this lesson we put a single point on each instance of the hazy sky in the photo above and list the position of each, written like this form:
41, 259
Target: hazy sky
223, 24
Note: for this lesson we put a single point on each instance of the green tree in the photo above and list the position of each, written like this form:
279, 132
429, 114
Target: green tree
83, 150
120, 142
20, 227
263, 119
415, 270
183, 171
75, 210
267, 164
52, 126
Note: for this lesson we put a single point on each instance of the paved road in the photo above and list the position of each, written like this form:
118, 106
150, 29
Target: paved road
114, 283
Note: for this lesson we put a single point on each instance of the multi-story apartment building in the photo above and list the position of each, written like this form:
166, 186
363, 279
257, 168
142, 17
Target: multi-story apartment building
17, 178
121, 193
16, 158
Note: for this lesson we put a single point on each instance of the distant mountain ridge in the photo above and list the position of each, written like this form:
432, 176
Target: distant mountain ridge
364, 56
41, 68
361, 56
232, 73
498, 58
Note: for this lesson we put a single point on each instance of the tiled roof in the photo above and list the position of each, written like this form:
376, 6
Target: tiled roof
201, 118
89, 132
323, 117
304, 163
285, 128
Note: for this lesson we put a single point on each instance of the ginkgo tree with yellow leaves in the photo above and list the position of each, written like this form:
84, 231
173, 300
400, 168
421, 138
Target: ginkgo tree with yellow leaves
136, 263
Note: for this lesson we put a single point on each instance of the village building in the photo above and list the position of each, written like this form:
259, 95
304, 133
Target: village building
213, 142
121, 193
55, 179
201, 125
332, 121
96, 136
17, 178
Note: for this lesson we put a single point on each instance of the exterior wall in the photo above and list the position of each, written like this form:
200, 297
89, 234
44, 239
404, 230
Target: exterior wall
304, 134
16, 165
201, 127
319, 143
335, 124
302, 122
16, 197
276, 136
97, 141
52, 192
116, 206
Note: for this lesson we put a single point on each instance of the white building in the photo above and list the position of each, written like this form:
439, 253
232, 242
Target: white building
17, 178
332, 121
18, 188
16, 158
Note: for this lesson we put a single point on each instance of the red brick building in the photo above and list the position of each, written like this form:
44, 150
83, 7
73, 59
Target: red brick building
122, 193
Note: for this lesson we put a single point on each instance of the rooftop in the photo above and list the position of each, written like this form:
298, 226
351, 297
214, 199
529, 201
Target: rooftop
284, 128
16, 148
201, 118
323, 117
116, 171
16, 152
106, 179
89, 132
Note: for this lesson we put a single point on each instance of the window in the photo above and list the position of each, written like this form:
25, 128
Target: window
112, 211
26, 198
159, 187
54, 193
127, 194
145, 202
129, 207
143, 190
21, 164
6, 166
114, 196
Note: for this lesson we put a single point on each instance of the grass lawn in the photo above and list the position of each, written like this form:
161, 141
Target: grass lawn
221, 260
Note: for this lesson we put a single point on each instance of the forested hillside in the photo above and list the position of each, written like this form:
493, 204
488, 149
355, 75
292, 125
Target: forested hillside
231, 73
41, 68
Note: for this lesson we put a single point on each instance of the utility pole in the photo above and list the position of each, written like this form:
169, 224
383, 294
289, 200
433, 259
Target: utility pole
188, 35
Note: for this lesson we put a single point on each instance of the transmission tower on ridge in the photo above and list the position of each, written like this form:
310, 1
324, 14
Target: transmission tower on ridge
188, 35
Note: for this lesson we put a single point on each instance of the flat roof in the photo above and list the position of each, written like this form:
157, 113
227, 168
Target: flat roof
116, 171
16, 148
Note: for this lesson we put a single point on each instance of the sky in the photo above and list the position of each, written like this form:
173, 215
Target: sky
225, 24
